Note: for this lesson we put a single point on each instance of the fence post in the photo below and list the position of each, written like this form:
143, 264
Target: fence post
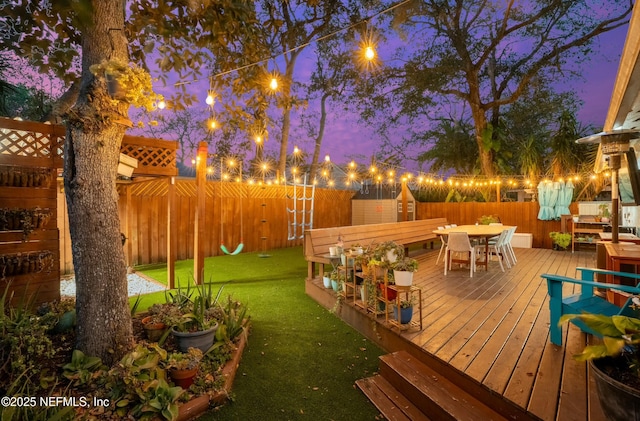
201, 186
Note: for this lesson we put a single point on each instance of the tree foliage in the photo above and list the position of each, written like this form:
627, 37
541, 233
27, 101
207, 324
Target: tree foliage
481, 56
187, 38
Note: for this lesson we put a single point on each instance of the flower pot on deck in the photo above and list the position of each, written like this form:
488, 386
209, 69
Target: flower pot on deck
619, 401
387, 293
405, 315
403, 278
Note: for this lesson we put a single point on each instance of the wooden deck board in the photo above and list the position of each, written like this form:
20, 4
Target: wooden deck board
498, 325
494, 328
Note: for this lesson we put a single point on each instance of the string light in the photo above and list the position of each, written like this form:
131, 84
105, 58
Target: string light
274, 81
210, 99
162, 105
369, 53
390, 176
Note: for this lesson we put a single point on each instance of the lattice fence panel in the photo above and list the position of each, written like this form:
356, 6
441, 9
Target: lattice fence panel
150, 156
28, 143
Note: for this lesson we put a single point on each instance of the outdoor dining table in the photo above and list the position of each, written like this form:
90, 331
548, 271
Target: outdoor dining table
479, 232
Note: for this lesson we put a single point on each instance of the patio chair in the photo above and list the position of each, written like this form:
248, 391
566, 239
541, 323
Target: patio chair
585, 301
443, 246
498, 248
458, 242
509, 247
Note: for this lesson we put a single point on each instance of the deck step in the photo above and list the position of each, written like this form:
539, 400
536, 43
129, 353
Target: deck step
389, 401
433, 395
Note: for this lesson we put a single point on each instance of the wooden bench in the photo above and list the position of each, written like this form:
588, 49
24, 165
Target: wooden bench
586, 301
318, 241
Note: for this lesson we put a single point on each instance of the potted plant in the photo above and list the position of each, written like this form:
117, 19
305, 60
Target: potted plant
403, 271
384, 292
334, 280
183, 366
160, 317
362, 261
405, 310
614, 362
604, 212
326, 281
388, 251
489, 219
127, 82
561, 240
197, 326
356, 249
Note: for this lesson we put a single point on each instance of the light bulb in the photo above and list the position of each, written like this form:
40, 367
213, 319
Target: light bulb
369, 53
273, 84
209, 99
162, 105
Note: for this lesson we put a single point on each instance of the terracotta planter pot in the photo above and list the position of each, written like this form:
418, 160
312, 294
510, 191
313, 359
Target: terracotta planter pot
183, 378
153, 330
388, 294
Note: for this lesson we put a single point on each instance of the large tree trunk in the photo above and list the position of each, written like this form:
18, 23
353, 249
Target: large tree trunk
480, 124
286, 113
92, 149
316, 149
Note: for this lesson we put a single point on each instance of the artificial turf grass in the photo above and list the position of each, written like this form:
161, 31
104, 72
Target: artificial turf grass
301, 361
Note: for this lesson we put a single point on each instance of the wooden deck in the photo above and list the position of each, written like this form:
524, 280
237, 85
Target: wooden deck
494, 329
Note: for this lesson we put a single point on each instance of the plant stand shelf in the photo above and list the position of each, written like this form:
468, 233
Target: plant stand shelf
373, 298
585, 232
406, 293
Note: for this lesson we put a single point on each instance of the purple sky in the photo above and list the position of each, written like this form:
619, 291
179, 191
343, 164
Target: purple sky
345, 138
599, 77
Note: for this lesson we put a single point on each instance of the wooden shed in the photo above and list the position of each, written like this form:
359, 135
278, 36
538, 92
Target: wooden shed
378, 203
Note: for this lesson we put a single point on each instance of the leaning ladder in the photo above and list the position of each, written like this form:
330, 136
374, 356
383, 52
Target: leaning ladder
299, 217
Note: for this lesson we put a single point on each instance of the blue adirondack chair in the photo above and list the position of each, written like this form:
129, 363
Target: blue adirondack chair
586, 301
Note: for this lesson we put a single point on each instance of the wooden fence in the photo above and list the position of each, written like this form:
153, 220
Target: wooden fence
522, 214
144, 218
234, 213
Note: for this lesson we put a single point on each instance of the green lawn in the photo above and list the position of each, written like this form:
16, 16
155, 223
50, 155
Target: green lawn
301, 361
